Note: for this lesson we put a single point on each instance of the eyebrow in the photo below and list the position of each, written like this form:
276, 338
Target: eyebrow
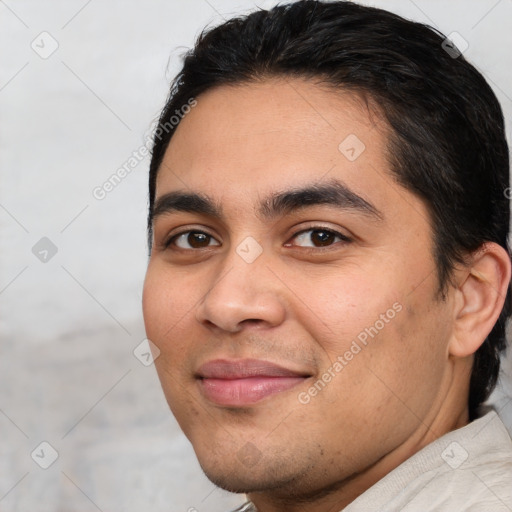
334, 193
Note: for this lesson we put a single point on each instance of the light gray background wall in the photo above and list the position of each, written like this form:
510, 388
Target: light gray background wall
68, 325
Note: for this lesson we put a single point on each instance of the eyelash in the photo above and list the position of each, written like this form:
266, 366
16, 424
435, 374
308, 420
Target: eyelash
344, 239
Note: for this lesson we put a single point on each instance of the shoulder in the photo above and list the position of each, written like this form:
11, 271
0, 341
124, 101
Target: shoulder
474, 471
468, 470
484, 485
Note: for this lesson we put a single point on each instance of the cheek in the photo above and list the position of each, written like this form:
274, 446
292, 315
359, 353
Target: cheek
154, 306
167, 303
406, 360
353, 307
165, 306
380, 329
387, 384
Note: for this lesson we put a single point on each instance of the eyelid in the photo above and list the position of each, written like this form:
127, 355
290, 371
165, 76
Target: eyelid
184, 230
320, 227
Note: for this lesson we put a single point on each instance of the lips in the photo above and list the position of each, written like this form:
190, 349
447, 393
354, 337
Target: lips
243, 382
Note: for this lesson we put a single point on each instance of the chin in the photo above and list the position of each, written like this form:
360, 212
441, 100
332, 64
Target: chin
246, 476
236, 483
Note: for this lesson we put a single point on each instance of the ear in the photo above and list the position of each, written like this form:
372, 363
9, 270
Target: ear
479, 298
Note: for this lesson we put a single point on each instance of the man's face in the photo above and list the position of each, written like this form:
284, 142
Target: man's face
335, 285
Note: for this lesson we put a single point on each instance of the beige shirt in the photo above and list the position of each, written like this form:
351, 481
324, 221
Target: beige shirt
467, 470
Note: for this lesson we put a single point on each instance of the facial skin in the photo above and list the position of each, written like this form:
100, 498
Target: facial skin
301, 306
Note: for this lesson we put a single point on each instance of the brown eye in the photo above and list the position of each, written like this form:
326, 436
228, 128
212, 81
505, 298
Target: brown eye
321, 238
193, 240
318, 238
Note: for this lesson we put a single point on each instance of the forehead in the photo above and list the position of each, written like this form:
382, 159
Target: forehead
243, 142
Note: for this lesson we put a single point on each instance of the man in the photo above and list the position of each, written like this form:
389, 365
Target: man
329, 273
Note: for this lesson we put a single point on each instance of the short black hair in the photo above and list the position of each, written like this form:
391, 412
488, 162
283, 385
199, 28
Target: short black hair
447, 140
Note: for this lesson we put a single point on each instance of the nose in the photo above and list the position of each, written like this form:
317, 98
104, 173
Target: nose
242, 294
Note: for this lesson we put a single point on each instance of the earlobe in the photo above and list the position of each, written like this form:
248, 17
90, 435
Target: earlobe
480, 298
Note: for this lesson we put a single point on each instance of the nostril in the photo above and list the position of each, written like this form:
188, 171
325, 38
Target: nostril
252, 321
